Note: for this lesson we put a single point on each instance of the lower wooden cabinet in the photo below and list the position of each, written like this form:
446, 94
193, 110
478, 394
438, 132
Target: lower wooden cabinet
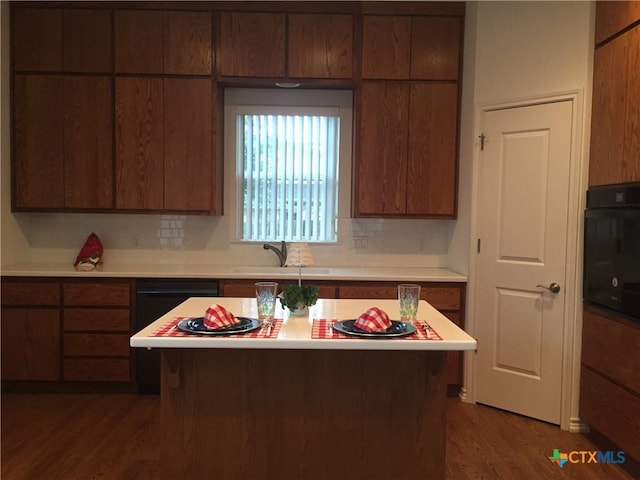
97, 327
30, 329
66, 330
609, 382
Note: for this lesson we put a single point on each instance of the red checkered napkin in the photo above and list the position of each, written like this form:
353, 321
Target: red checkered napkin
373, 320
217, 316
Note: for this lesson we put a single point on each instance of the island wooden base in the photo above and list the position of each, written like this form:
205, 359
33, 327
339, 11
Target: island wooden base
303, 414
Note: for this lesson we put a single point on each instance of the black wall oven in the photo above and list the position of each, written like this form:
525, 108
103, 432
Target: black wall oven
612, 249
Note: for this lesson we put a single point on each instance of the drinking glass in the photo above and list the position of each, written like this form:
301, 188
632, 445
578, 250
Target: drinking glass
266, 293
408, 296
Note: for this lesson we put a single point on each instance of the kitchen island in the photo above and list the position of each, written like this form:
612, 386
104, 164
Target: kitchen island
296, 407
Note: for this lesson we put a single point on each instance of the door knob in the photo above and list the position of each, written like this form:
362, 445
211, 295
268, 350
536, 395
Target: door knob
553, 287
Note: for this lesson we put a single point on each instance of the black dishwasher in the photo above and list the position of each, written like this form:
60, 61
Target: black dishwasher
154, 298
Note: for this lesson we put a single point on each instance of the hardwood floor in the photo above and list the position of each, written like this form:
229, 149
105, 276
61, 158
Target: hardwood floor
109, 437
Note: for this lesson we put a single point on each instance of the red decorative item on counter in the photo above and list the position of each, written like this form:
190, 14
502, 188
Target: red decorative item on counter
373, 320
91, 253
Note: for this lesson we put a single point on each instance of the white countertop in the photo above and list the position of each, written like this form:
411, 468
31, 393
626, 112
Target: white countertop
296, 331
112, 270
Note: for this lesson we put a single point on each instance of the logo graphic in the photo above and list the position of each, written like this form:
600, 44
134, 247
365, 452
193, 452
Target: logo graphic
586, 457
559, 458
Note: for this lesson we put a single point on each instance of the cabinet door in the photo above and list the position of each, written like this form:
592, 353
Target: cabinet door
30, 344
139, 41
252, 45
38, 150
139, 143
88, 151
320, 46
612, 17
37, 39
435, 47
631, 163
188, 144
432, 159
87, 40
386, 47
187, 43
615, 117
381, 162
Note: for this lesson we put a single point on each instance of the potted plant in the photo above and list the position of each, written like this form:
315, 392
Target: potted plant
298, 298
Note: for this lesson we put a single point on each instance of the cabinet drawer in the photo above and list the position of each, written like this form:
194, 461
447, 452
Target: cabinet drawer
442, 298
97, 294
611, 348
610, 410
96, 319
97, 370
30, 293
96, 344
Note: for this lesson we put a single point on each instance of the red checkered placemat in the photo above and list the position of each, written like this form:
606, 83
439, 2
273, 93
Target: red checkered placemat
171, 330
322, 328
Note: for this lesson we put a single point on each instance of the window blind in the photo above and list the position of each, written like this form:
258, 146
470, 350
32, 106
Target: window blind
290, 176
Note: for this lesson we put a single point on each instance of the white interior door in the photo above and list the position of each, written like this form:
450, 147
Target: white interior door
522, 226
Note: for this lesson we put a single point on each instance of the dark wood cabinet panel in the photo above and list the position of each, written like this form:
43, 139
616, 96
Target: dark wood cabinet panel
88, 133
407, 160
37, 39
97, 319
139, 143
320, 46
381, 165
103, 294
611, 410
611, 354
38, 168
30, 293
432, 153
139, 41
435, 47
252, 45
612, 17
386, 51
615, 116
96, 344
169, 42
86, 40
189, 160
188, 48
30, 344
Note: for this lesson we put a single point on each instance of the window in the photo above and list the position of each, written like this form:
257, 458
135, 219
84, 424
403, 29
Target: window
288, 163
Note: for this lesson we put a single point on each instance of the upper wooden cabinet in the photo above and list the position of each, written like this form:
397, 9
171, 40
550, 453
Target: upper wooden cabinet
280, 46
160, 165
62, 151
403, 47
615, 116
406, 164
252, 44
613, 17
69, 40
320, 46
166, 42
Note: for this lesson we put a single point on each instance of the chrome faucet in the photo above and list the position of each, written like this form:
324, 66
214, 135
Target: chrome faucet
280, 252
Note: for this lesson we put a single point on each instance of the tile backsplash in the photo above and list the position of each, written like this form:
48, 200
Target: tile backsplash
188, 239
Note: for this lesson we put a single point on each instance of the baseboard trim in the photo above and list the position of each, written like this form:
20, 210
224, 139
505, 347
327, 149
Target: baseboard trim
578, 426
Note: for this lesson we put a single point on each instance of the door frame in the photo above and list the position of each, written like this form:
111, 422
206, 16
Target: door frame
578, 182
